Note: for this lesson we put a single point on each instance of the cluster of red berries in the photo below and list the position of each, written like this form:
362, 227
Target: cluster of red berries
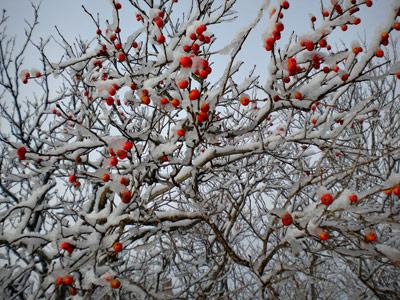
274, 36
159, 22
120, 153
67, 280
198, 38
145, 96
292, 66
72, 179
202, 115
395, 191
327, 199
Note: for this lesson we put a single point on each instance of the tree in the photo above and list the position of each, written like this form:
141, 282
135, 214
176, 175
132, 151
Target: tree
137, 174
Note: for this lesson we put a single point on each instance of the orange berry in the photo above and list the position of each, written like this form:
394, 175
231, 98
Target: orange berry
370, 237
244, 100
115, 283
324, 235
117, 247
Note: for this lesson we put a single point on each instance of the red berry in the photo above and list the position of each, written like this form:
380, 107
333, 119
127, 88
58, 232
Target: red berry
106, 177
345, 76
159, 22
388, 192
279, 27
205, 107
285, 4
98, 31
396, 190
338, 9
368, 3
145, 100
110, 101
124, 181
202, 116
344, 27
277, 98
195, 47
73, 291
59, 281
185, 62
357, 50
335, 68
21, 151
72, 178
118, 46
201, 28
118, 5
161, 39
121, 57
186, 48
180, 132
297, 95
122, 154
270, 41
164, 101
353, 198
67, 247
126, 196
127, 145
314, 121
68, 279
326, 199
287, 219
183, 84
77, 184
194, 94
379, 53
193, 36
113, 161
322, 43
396, 26
175, 103
244, 100
309, 45
117, 247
